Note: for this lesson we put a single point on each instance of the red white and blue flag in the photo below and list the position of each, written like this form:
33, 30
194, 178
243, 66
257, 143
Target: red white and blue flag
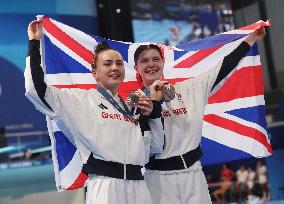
234, 122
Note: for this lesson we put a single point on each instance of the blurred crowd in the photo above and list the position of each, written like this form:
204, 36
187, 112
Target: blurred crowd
204, 18
175, 9
246, 185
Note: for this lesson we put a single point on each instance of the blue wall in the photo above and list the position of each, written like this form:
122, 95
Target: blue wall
275, 165
17, 114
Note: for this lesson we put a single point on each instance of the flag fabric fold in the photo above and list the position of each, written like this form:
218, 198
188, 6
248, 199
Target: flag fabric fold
234, 124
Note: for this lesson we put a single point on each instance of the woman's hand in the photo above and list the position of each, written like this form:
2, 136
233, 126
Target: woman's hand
145, 105
156, 90
258, 34
35, 30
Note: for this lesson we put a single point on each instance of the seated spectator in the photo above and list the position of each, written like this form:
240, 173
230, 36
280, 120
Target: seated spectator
226, 172
256, 196
261, 173
226, 177
242, 178
251, 178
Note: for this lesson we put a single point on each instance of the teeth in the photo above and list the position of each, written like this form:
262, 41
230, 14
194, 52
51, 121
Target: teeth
114, 75
152, 71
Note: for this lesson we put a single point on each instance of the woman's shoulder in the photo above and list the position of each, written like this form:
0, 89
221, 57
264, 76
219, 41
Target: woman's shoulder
80, 93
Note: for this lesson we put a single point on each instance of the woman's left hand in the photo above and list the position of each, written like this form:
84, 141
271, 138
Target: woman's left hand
145, 105
256, 35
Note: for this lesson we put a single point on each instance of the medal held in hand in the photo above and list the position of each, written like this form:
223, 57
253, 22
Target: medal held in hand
133, 98
169, 92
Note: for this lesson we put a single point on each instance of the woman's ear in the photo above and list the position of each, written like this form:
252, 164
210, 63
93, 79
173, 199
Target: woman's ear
94, 72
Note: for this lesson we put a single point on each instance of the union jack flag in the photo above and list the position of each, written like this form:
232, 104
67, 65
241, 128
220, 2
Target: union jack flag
234, 116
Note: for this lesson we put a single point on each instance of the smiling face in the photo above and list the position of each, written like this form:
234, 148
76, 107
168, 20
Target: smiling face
150, 66
109, 71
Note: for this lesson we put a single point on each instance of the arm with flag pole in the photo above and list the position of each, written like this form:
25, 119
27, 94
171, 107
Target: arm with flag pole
217, 73
236, 99
232, 60
234, 88
48, 99
194, 58
39, 93
54, 102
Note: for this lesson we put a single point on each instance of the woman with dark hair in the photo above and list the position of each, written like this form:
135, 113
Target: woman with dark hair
99, 121
175, 176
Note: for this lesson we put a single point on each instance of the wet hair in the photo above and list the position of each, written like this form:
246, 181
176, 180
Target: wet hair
142, 48
101, 47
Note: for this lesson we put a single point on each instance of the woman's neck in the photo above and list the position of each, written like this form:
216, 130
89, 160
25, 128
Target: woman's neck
148, 84
112, 90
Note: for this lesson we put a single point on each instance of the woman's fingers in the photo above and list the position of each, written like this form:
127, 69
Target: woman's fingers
33, 24
158, 85
256, 35
145, 105
145, 110
144, 98
145, 101
38, 26
156, 89
34, 30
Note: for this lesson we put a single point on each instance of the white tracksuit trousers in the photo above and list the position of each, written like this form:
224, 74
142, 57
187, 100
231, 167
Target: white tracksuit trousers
106, 190
187, 186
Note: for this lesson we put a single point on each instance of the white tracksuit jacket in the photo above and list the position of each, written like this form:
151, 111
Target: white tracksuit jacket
183, 118
103, 131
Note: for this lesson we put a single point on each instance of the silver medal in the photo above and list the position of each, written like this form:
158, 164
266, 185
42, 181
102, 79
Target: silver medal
169, 92
133, 98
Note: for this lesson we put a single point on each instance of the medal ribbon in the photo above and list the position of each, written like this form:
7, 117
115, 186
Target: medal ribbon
125, 112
